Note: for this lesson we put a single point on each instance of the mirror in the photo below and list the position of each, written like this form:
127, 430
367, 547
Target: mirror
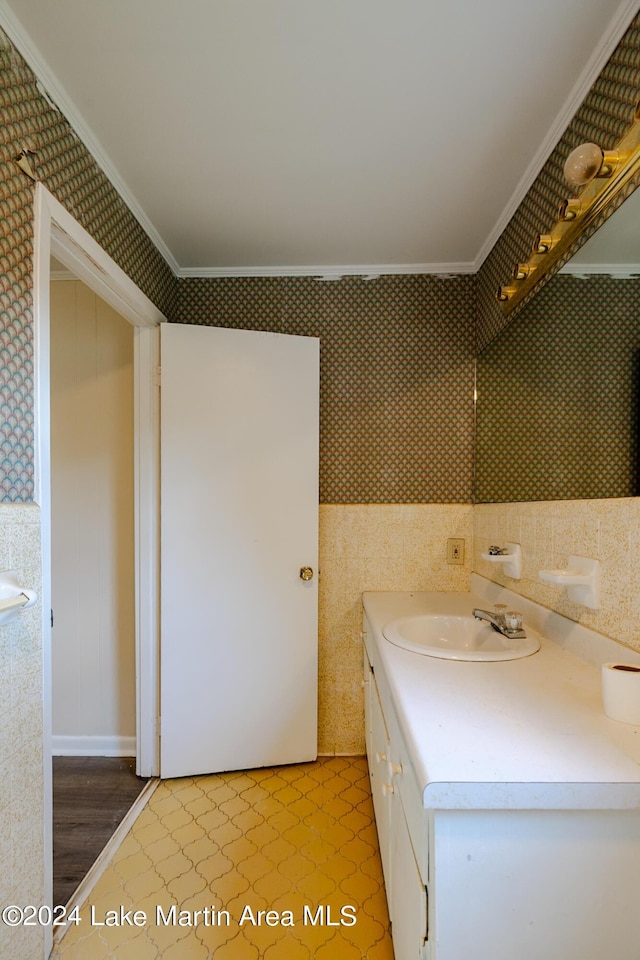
558, 390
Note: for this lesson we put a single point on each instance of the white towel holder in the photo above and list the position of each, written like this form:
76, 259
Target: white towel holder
13, 597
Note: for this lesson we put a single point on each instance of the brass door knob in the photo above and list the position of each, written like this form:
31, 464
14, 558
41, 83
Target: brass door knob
306, 573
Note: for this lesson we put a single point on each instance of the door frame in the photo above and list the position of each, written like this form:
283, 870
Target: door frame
57, 232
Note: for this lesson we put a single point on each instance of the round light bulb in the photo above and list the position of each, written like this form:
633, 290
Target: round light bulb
583, 164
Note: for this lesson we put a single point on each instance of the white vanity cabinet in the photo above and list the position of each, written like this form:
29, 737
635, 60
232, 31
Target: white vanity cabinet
378, 757
499, 867
405, 885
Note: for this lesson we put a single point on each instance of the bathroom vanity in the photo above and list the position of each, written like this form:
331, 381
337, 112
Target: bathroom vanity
507, 803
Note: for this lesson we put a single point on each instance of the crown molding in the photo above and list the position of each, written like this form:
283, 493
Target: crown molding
617, 271
334, 272
442, 271
608, 42
58, 98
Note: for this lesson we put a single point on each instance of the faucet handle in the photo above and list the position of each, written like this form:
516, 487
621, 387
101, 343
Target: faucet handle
500, 612
513, 620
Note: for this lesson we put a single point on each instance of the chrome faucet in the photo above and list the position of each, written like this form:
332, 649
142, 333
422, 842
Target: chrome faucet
500, 627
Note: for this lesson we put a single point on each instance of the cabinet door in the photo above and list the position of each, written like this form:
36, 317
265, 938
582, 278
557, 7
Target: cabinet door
381, 787
408, 897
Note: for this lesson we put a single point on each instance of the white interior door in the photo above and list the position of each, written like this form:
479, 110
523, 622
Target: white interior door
239, 519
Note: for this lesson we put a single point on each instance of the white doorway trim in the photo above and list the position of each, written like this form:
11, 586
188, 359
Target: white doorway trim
56, 232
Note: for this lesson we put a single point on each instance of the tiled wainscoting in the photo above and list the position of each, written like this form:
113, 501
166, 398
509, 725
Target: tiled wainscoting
549, 532
21, 713
374, 547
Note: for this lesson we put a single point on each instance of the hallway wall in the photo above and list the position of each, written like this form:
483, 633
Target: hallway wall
92, 563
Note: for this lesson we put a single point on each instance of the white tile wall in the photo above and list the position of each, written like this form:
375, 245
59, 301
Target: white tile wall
374, 547
21, 735
549, 531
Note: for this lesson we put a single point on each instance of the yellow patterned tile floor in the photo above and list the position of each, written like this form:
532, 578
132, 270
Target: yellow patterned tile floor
270, 864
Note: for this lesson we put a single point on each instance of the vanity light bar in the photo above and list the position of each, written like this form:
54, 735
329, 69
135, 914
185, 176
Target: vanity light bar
600, 176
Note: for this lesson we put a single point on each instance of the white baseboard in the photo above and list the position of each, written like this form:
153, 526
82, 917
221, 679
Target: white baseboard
63, 746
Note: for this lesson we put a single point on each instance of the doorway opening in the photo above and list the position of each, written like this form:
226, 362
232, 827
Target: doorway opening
58, 234
92, 577
91, 798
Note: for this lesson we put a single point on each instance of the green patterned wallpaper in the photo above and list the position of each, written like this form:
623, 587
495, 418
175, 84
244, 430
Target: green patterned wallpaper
396, 353
396, 392
66, 168
558, 396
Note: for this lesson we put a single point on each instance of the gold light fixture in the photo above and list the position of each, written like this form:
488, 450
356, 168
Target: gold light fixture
599, 176
542, 243
520, 271
503, 294
570, 209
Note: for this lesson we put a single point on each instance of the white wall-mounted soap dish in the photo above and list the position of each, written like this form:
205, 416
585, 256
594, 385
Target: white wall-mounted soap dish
13, 597
581, 578
510, 559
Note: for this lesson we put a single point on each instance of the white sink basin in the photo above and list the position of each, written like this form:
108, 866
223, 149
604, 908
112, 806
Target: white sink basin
457, 638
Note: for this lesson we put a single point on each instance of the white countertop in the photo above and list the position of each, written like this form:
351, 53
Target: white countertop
526, 734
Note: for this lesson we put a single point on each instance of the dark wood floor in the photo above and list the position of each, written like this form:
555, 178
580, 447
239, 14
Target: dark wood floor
91, 795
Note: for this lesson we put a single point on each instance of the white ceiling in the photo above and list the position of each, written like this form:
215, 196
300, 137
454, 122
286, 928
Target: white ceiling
290, 135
